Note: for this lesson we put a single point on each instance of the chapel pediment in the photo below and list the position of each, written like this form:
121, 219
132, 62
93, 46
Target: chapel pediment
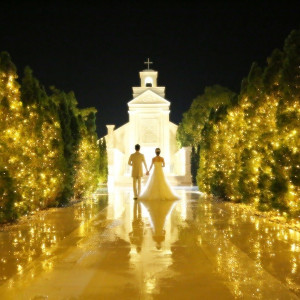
149, 98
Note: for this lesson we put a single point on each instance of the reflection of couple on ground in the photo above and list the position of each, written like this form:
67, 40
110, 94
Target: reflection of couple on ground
137, 234
157, 187
158, 212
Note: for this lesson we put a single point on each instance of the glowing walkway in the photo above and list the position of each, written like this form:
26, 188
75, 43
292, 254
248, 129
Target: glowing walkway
191, 249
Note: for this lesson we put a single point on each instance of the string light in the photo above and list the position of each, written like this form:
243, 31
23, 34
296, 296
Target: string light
244, 150
250, 153
32, 162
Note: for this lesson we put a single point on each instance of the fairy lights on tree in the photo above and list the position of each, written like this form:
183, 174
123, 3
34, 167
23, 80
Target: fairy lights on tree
48, 147
87, 169
249, 150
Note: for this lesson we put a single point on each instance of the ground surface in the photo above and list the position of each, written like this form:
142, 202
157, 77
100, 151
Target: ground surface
112, 247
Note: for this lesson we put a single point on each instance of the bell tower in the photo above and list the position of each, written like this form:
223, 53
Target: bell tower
148, 79
148, 76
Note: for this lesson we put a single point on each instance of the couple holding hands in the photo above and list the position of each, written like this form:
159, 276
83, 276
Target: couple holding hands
157, 187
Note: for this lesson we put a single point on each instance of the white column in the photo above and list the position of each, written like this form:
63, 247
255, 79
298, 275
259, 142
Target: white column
166, 139
110, 151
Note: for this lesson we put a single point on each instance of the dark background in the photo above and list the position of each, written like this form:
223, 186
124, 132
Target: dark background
97, 50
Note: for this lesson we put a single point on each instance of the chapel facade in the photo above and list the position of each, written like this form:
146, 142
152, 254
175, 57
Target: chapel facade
150, 126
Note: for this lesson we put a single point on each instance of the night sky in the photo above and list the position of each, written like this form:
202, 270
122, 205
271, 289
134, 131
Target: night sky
97, 50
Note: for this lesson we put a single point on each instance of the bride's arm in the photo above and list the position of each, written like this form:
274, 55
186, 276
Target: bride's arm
145, 164
151, 165
163, 162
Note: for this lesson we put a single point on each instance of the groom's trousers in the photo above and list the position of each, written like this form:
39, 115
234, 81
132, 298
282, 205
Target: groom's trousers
136, 186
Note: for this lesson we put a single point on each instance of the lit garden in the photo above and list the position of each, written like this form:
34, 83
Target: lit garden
49, 154
246, 145
67, 232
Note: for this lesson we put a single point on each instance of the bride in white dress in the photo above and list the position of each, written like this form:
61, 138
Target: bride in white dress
157, 187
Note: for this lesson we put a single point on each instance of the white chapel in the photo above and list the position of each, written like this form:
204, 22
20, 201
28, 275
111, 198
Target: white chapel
149, 125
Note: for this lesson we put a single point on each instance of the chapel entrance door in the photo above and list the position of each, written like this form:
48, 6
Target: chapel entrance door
149, 154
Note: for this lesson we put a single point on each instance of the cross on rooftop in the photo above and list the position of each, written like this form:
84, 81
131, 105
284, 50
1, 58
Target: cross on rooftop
148, 62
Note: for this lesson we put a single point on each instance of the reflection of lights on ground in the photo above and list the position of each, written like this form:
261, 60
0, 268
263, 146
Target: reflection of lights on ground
206, 242
23, 243
150, 285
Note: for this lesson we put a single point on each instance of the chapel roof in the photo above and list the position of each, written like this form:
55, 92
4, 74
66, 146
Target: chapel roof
148, 70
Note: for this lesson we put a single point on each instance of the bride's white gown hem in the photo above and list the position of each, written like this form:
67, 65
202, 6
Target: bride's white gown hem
157, 187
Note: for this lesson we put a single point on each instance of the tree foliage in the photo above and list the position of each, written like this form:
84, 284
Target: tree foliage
193, 121
48, 146
202, 109
249, 151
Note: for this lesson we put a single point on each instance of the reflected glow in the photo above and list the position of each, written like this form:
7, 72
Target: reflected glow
23, 243
179, 249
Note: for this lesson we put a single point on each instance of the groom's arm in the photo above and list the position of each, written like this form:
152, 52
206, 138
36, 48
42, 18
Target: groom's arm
130, 161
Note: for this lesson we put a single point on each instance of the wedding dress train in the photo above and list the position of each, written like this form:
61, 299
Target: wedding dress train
157, 187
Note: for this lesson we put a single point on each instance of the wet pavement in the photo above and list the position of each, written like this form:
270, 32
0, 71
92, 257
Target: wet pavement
112, 247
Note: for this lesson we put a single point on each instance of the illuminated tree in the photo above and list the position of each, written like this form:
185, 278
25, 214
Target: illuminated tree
189, 130
48, 147
288, 123
10, 139
41, 145
67, 105
8, 197
193, 121
87, 167
249, 151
